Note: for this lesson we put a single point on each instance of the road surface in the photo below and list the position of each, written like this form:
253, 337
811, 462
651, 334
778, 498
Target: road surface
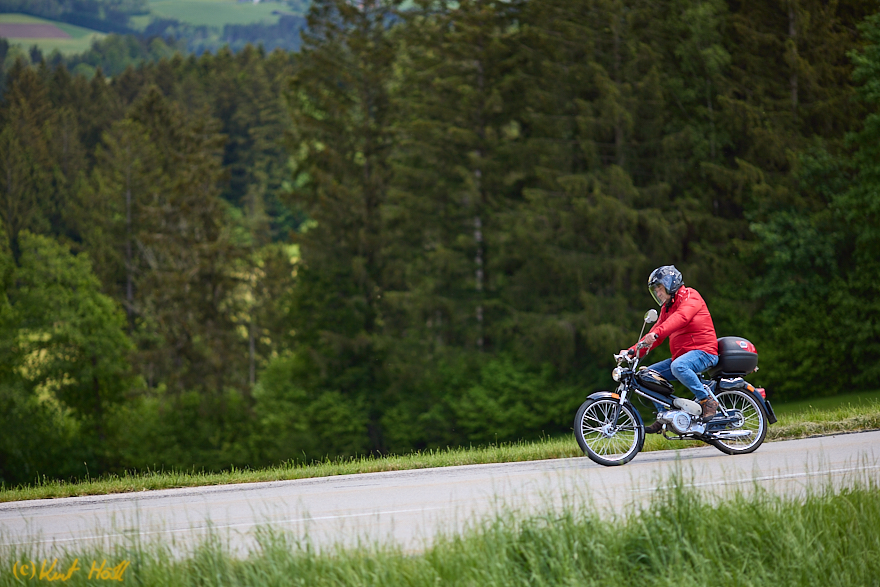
409, 508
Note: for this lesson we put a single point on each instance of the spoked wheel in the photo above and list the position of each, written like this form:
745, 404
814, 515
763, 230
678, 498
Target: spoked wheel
606, 442
751, 418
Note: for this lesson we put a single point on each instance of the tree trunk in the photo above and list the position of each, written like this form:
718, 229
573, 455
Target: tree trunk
618, 124
793, 80
129, 280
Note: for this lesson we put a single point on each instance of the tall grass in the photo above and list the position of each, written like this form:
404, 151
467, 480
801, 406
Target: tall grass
847, 418
682, 538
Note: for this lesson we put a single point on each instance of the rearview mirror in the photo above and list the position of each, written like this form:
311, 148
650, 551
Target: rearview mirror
650, 316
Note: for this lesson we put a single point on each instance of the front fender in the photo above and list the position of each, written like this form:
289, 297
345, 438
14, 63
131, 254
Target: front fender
604, 394
616, 397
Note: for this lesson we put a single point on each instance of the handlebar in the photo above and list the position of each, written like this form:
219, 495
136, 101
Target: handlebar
631, 354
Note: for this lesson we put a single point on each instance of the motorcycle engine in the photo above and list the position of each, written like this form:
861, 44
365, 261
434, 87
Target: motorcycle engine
679, 421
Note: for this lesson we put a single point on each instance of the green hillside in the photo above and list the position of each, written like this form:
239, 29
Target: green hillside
213, 13
80, 38
262, 22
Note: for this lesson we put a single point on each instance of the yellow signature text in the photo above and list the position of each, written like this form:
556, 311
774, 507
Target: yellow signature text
108, 573
52, 572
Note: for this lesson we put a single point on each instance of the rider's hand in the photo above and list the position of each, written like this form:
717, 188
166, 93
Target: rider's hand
623, 352
650, 338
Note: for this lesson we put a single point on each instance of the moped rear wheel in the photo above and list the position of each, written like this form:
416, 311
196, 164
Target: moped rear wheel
604, 441
752, 419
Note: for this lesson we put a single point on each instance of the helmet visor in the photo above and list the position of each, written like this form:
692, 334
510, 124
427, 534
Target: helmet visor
659, 293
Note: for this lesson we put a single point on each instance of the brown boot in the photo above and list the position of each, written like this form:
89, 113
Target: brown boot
710, 408
654, 428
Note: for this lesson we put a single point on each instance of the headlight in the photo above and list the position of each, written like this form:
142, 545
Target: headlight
615, 375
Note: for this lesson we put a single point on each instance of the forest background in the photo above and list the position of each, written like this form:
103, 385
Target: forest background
430, 226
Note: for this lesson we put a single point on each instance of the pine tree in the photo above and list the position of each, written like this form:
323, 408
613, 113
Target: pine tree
340, 114
594, 211
790, 83
26, 165
189, 259
109, 208
815, 238
455, 170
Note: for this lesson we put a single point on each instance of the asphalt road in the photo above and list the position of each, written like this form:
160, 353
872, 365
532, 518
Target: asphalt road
410, 508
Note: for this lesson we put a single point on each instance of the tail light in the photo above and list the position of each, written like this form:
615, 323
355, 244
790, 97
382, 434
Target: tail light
760, 391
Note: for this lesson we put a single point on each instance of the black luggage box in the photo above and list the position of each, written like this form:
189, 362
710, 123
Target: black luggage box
736, 356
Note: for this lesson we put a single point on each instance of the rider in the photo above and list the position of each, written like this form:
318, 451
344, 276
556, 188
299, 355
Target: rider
685, 320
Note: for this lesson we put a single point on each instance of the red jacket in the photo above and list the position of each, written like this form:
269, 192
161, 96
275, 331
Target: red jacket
687, 324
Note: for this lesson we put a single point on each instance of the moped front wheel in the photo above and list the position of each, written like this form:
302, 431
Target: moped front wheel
607, 442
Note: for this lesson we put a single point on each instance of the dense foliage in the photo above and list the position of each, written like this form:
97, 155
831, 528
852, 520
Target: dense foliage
431, 226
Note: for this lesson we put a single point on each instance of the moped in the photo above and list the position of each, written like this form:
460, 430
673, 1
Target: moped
610, 430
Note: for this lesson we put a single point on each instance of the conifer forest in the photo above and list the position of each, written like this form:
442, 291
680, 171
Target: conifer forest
431, 225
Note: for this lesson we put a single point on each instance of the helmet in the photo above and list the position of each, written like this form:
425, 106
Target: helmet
667, 276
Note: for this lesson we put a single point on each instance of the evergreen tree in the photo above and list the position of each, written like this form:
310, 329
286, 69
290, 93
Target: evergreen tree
189, 259
340, 113
455, 167
454, 174
109, 209
789, 83
814, 319
26, 165
859, 208
594, 216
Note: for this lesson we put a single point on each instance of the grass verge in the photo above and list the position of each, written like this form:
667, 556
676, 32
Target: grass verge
851, 417
682, 538
829, 403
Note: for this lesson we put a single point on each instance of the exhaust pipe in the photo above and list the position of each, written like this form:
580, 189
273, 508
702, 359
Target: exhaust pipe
733, 434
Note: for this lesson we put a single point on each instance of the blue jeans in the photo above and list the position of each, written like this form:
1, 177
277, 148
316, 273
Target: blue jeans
686, 369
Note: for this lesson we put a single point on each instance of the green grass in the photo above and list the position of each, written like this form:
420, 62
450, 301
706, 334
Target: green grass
216, 13
829, 537
848, 417
843, 414
80, 41
827, 403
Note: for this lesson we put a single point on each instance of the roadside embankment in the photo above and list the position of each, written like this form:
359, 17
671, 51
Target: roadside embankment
858, 417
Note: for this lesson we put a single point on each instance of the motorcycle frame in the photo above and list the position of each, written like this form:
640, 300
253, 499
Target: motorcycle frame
667, 401
629, 382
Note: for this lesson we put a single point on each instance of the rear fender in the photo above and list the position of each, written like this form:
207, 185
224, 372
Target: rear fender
771, 415
743, 385
768, 409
